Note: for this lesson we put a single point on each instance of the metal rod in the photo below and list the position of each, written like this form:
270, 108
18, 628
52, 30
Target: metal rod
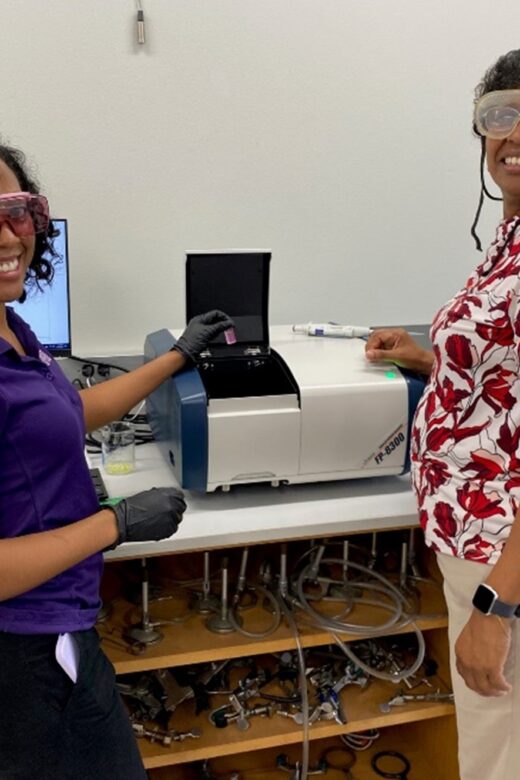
283, 570
404, 565
242, 573
224, 594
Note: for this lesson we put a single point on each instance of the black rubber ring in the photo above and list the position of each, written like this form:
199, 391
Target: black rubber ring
401, 775
347, 753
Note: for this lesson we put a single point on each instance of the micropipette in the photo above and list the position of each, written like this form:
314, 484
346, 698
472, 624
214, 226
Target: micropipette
339, 331
329, 329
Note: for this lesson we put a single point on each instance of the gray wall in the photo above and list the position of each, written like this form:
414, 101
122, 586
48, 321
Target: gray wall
335, 132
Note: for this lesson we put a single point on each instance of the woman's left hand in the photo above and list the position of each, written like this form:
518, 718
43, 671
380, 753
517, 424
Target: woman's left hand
481, 653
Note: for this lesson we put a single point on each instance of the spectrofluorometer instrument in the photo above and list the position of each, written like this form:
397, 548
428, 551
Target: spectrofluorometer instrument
276, 406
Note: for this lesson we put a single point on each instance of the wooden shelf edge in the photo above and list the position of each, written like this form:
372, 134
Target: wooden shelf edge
419, 742
146, 661
168, 757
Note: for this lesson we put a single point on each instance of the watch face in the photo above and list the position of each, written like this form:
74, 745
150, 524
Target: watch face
483, 598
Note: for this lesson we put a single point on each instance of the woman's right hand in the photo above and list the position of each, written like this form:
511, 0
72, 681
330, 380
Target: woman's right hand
395, 345
200, 330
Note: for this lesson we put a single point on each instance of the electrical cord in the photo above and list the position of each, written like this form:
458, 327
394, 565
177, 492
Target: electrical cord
137, 418
133, 417
89, 361
360, 740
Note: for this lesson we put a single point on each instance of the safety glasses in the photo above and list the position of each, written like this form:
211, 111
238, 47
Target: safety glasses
25, 213
498, 113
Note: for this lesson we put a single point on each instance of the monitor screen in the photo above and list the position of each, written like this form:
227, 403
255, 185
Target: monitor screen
48, 311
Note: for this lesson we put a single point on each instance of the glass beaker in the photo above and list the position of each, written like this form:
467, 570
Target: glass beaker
118, 448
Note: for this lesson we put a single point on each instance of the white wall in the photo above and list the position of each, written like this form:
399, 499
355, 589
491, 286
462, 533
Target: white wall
335, 132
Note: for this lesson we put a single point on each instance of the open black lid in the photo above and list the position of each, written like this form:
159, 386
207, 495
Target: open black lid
237, 282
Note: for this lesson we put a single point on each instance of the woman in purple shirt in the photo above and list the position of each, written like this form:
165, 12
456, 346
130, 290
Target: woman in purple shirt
52, 530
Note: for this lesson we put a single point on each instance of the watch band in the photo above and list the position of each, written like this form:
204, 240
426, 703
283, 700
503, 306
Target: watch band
486, 600
504, 610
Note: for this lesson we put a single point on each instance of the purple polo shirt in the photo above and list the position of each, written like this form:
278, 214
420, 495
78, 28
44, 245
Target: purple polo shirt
44, 482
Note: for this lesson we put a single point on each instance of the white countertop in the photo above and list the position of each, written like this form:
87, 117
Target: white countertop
252, 514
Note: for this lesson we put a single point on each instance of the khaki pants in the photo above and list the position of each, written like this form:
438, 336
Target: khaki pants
488, 727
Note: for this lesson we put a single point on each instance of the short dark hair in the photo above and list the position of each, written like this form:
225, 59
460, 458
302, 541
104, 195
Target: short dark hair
45, 256
504, 74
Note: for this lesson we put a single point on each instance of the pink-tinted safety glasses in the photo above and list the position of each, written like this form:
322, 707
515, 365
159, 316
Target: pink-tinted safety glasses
25, 213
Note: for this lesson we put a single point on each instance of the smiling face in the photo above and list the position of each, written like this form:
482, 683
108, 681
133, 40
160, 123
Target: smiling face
15, 253
503, 163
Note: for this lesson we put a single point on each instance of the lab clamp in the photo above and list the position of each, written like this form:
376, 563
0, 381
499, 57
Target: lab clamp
270, 690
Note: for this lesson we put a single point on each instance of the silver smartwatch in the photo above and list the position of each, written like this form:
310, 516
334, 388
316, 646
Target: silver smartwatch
486, 601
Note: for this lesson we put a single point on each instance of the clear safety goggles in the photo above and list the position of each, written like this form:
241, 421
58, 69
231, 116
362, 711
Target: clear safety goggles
498, 113
25, 213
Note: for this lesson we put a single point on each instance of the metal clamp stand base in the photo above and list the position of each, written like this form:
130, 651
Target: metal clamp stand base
143, 634
220, 624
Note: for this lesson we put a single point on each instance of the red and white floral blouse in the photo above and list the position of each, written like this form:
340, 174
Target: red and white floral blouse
465, 447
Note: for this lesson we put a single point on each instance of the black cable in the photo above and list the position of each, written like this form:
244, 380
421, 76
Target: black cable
99, 363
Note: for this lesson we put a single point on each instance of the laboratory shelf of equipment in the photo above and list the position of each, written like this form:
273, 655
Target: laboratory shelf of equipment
261, 518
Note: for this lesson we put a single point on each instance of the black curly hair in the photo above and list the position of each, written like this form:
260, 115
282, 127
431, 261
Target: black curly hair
45, 256
504, 74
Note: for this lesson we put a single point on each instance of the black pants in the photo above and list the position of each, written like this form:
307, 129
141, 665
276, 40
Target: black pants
54, 729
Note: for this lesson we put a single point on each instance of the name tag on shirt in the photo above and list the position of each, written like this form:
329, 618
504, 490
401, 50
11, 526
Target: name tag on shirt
44, 357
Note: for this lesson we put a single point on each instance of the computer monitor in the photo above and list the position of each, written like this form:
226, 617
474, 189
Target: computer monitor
48, 311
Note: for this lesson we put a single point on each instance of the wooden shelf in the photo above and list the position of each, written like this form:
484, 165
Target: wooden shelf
361, 707
416, 728
414, 741
192, 643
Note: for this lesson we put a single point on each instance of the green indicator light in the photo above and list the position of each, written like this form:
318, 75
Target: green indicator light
391, 375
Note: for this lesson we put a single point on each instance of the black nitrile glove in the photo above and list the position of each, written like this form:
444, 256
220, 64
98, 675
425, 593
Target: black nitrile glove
149, 516
200, 330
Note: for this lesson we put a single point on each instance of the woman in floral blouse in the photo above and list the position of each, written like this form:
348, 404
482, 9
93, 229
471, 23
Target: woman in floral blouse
466, 453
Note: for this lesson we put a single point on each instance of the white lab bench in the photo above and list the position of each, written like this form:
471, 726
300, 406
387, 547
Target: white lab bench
252, 514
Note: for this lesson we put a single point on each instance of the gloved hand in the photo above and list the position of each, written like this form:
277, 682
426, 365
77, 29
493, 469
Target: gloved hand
200, 330
149, 516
